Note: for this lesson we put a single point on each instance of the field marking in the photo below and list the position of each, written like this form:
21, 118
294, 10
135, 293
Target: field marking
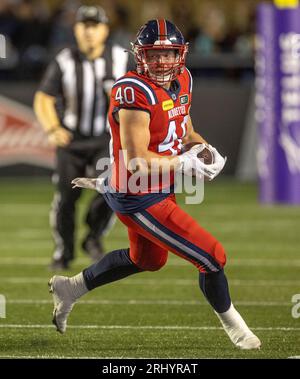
164, 281
24, 206
217, 207
36, 261
151, 302
140, 327
23, 245
94, 357
60, 357
42, 234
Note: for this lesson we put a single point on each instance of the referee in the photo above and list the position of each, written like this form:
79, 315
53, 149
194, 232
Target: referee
71, 105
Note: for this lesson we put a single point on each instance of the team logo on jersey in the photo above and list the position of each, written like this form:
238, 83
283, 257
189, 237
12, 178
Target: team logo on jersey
184, 99
167, 105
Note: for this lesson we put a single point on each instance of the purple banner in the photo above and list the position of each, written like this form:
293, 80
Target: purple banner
278, 103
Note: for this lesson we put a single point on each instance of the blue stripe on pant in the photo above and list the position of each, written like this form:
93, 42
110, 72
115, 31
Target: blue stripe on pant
182, 246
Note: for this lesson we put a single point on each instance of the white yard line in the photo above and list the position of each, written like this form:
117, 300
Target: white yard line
36, 261
123, 357
55, 357
152, 302
139, 327
76, 357
23, 207
164, 281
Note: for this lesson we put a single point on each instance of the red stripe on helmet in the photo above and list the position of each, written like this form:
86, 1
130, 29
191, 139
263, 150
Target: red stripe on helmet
162, 29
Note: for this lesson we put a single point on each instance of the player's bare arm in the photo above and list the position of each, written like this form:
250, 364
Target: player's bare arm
135, 138
44, 107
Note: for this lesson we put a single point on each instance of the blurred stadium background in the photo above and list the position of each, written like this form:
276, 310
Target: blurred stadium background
161, 314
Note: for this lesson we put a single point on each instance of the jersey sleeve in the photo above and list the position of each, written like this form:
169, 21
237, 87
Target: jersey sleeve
133, 94
51, 82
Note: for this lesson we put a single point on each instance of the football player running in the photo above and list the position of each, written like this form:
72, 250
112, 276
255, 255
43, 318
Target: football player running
149, 120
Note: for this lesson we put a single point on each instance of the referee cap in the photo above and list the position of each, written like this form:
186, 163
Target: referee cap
91, 13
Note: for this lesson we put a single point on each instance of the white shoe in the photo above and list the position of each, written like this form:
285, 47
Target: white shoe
249, 343
237, 330
242, 337
63, 300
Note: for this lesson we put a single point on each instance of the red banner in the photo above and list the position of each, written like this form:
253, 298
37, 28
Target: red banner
22, 139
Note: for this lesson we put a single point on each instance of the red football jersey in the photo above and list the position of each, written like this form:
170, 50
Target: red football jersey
168, 110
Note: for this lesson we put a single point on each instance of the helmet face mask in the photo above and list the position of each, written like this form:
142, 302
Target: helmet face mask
152, 51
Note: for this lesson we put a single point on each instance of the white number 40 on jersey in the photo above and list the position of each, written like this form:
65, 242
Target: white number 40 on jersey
125, 95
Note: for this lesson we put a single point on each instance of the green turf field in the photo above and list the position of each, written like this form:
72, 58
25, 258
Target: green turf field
161, 314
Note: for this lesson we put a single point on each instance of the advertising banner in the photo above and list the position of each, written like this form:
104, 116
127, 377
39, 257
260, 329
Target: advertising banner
278, 103
22, 139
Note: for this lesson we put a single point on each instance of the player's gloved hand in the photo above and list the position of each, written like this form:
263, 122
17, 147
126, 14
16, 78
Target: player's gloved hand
217, 166
89, 183
190, 164
59, 136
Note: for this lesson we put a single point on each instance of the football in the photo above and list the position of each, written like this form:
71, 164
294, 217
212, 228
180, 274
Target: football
205, 154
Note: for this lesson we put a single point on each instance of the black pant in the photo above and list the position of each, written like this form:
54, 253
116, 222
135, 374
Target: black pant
72, 162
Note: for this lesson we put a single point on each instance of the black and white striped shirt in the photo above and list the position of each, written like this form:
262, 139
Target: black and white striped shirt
81, 88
